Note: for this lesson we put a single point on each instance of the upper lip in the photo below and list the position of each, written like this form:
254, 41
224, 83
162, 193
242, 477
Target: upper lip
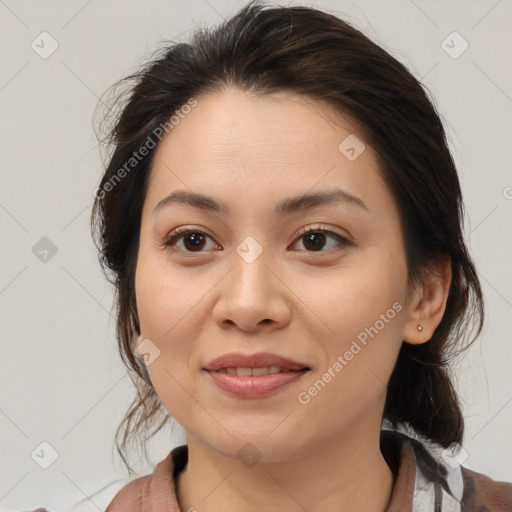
259, 360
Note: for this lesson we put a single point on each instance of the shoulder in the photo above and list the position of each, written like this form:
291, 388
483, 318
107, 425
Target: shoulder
149, 492
129, 498
482, 493
441, 480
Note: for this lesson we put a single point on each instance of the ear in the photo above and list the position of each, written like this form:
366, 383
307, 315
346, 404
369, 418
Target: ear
428, 303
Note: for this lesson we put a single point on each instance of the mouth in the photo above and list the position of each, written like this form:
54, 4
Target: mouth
255, 383
254, 375
260, 363
259, 371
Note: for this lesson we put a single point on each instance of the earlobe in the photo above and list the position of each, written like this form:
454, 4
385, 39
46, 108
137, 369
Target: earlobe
427, 307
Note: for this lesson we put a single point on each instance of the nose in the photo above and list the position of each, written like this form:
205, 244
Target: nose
253, 296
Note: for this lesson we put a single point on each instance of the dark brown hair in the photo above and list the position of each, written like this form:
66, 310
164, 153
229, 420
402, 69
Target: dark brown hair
265, 49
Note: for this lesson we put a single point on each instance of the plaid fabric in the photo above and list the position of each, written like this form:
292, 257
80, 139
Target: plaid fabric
440, 482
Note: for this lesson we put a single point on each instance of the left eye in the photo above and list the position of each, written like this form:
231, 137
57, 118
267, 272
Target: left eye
315, 239
195, 240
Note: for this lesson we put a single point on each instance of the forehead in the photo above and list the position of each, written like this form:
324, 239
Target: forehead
233, 142
280, 125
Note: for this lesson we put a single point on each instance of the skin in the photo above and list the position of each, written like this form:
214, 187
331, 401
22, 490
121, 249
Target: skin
196, 304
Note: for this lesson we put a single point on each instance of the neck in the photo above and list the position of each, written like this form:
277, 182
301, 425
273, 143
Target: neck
343, 474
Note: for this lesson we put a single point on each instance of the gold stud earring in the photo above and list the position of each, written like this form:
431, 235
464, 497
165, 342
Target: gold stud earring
420, 327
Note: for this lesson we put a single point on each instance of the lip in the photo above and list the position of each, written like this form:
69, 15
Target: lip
258, 360
254, 386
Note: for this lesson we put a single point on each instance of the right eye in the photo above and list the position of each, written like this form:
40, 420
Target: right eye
193, 239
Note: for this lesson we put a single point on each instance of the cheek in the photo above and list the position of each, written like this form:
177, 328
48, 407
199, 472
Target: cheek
164, 297
355, 297
165, 319
359, 361
168, 305
364, 312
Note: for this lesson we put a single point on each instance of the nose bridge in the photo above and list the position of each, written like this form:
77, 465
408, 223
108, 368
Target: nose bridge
253, 293
251, 263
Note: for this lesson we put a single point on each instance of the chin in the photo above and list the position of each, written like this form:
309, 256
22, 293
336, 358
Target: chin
255, 445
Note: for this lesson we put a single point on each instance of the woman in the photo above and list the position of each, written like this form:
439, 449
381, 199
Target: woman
281, 218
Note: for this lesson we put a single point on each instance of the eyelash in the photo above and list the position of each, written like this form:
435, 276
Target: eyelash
181, 232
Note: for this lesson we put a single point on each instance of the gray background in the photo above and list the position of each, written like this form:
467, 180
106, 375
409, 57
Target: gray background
61, 377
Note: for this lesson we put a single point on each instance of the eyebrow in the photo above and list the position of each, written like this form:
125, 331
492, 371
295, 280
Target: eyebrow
285, 207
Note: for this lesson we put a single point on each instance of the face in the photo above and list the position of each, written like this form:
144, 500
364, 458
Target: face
246, 278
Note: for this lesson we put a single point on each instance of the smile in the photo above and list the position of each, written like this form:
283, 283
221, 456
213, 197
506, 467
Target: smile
254, 382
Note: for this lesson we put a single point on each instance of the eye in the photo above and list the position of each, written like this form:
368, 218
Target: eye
315, 239
193, 239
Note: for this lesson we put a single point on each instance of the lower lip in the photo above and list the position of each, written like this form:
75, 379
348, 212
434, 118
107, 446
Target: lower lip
254, 386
